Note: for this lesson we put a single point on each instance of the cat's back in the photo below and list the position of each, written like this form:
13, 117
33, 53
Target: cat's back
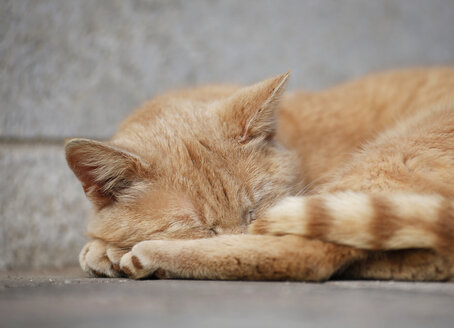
326, 127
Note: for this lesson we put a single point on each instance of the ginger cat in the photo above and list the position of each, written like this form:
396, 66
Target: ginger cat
356, 181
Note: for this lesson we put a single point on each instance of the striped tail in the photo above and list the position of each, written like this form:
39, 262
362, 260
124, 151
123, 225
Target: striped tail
376, 222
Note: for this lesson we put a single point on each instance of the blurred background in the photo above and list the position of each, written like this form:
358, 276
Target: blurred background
77, 68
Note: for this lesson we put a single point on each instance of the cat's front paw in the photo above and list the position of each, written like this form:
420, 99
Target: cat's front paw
283, 218
99, 259
145, 260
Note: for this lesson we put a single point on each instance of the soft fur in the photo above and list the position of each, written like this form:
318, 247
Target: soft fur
355, 181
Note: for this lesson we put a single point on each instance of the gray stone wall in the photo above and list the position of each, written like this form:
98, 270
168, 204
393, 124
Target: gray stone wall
76, 68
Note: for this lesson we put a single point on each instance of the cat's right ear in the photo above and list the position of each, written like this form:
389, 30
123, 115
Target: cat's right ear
251, 112
105, 171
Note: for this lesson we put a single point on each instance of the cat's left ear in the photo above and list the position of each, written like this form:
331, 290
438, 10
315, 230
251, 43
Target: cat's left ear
104, 170
251, 112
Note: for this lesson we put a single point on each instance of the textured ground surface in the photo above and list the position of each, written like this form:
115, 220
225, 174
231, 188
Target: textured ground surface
68, 299
76, 68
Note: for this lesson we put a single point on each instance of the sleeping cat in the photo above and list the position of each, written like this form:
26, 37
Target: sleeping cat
356, 181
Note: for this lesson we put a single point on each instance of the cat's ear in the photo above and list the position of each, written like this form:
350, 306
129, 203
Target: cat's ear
105, 171
251, 112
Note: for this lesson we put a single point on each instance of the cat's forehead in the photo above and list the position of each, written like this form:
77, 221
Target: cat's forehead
185, 146
172, 123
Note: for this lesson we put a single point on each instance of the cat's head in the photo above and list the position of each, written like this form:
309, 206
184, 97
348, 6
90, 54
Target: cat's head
189, 164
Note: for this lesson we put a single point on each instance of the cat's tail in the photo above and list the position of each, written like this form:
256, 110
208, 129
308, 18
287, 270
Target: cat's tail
376, 222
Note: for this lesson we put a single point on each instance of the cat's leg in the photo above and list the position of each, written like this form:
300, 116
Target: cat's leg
245, 257
410, 265
100, 259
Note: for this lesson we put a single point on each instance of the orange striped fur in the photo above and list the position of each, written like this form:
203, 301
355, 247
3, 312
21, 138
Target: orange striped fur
353, 181
376, 222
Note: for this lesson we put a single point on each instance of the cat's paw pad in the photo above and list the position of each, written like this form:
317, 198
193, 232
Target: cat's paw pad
143, 261
98, 259
280, 219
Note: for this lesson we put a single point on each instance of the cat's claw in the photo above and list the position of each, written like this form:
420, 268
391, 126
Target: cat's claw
98, 259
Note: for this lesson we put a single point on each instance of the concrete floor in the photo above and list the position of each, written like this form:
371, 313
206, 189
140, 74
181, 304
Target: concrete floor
69, 299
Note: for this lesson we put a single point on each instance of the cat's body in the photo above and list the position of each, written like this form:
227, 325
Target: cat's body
374, 159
